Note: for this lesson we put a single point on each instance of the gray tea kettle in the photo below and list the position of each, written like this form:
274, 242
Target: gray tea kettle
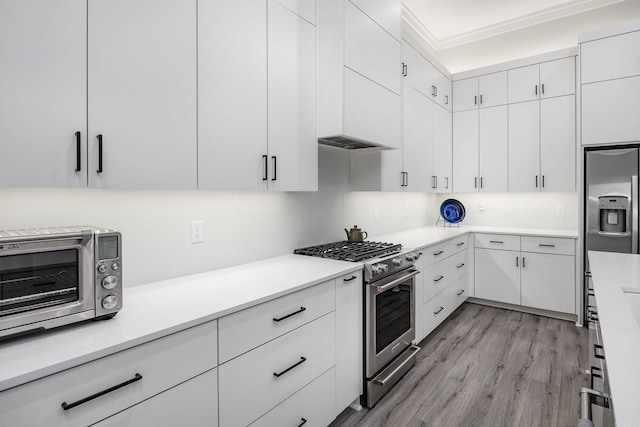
356, 234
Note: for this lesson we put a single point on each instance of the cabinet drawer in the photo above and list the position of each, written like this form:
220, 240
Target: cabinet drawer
549, 245
193, 403
313, 406
459, 243
504, 242
264, 322
436, 310
437, 278
460, 291
162, 363
435, 253
460, 265
248, 385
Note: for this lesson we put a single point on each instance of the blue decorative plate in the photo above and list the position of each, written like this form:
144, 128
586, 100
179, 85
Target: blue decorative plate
452, 210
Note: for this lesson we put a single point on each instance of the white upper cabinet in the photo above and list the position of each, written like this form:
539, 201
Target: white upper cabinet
306, 9
493, 149
558, 143
229, 118
443, 88
465, 151
370, 50
417, 70
485, 91
442, 150
142, 93
610, 58
524, 146
418, 141
292, 140
545, 80
43, 93
385, 13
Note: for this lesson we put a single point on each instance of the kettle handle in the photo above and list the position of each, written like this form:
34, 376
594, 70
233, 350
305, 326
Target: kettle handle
365, 235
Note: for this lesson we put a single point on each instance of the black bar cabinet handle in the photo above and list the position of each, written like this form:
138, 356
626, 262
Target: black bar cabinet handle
475, 100
66, 406
279, 319
78, 152
523, 266
480, 99
460, 244
475, 183
99, 154
597, 347
350, 278
439, 310
542, 181
542, 86
406, 174
536, 181
460, 265
266, 167
279, 374
446, 100
438, 253
481, 182
460, 292
437, 279
543, 245
275, 168
517, 264
303, 422
536, 90
496, 241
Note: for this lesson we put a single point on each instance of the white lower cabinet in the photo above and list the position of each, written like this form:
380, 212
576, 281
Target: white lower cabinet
312, 406
141, 373
193, 403
252, 384
531, 271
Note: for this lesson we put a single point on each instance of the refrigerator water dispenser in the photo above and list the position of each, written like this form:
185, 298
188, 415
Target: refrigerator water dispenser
613, 214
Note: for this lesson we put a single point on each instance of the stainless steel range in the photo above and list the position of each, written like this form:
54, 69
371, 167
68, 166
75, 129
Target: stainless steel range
389, 309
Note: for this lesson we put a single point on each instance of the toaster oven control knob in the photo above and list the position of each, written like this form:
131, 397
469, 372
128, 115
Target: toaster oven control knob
102, 268
109, 282
110, 302
397, 262
115, 266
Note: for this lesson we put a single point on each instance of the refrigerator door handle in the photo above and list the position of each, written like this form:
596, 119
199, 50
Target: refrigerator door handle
634, 214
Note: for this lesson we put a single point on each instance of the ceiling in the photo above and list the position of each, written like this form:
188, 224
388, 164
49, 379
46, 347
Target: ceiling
448, 23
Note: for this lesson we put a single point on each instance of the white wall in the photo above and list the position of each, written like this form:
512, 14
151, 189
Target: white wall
529, 210
238, 226
542, 38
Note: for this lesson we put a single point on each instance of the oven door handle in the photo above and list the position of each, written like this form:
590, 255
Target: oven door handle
392, 284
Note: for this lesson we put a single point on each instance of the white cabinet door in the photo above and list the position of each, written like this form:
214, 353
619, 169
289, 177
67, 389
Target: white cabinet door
417, 145
442, 150
497, 275
370, 50
610, 58
348, 382
43, 93
548, 282
465, 94
442, 84
192, 403
492, 89
232, 94
292, 139
493, 151
418, 70
524, 146
558, 77
610, 111
386, 13
465, 151
142, 93
558, 143
524, 83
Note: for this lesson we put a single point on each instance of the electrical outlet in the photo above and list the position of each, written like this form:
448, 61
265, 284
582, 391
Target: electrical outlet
406, 211
482, 208
197, 231
559, 210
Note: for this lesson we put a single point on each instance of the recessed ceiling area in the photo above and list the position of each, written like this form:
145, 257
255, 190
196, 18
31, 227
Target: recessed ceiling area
448, 23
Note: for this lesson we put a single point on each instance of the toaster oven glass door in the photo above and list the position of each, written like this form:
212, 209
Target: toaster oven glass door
36, 280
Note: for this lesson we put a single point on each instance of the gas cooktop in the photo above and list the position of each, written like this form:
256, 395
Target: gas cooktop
351, 251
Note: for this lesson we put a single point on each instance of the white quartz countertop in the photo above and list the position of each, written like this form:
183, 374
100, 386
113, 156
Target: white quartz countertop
422, 237
158, 309
611, 272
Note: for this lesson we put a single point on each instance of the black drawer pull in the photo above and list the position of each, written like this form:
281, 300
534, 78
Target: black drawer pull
304, 421
437, 279
594, 374
460, 292
66, 406
302, 360
460, 244
439, 310
278, 319
275, 168
597, 347
78, 152
350, 278
99, 154
438, 253
496, 241
460, 265
542, 245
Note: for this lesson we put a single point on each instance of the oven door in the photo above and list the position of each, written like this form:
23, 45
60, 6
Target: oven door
42, 281
390, 322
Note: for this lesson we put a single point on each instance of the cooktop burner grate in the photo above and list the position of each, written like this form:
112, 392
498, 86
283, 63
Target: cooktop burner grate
350, 251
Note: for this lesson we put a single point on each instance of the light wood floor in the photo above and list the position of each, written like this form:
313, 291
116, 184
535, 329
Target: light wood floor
487, 366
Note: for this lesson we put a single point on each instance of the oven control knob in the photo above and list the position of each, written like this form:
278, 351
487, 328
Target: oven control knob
109, 282
397, 262
375, 269
384, 268
110, 302
102, 268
